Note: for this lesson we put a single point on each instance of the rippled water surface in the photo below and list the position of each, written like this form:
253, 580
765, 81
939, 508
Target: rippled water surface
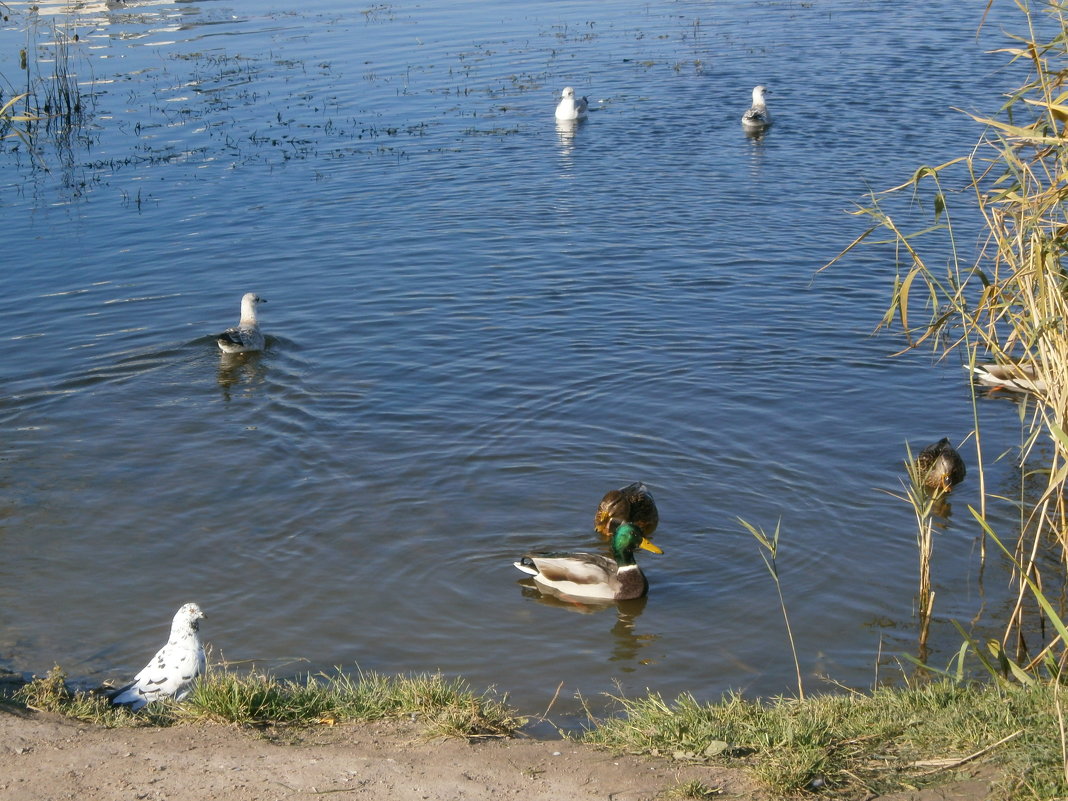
477, 323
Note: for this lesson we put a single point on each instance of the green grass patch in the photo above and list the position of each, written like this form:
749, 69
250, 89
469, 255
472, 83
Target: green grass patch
891, 739
444, 707
694, 789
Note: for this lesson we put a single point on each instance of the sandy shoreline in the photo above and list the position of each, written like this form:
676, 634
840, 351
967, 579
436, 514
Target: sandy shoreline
44, 757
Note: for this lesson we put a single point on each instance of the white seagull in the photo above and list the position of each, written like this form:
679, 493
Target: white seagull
174, 667
246, 335
757, 116
569, 108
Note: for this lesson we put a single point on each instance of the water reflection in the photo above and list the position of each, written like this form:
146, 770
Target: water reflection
149, 18
756, 150
91, 7
437, 406
755, 134
941, 511
565, 133
239, 368
627, 643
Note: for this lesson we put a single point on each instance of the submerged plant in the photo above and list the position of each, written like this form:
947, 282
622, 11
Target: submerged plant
10, 119
51, 100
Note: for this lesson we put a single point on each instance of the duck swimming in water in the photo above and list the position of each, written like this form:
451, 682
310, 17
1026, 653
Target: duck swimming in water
594, 575
940, 466
630, 504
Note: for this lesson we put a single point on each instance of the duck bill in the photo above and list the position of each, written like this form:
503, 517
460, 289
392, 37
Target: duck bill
645, 545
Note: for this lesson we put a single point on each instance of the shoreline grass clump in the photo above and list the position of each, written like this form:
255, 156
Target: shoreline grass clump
53, 693
442, 706
891, 739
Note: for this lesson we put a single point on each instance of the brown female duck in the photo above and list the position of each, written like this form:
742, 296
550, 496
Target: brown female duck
630, 504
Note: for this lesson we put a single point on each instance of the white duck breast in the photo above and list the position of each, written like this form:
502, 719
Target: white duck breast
570, 107
171, 672
246, 335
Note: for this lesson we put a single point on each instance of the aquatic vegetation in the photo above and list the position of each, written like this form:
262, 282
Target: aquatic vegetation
1008, 303
51, 100
10, 117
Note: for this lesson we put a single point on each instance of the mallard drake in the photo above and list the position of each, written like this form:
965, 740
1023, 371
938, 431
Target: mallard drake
171, 672
1015, 376
630, 504
758, 116
245, 336
940, 466
570, 107
593, 575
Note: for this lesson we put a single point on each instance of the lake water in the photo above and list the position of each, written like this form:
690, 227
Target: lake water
477, 324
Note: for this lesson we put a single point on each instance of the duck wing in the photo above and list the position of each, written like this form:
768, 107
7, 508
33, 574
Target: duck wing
576, 568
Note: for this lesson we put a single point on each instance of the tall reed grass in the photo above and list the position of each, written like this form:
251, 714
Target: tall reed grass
1008, 303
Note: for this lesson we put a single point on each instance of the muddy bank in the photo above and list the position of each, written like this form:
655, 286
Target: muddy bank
44, 757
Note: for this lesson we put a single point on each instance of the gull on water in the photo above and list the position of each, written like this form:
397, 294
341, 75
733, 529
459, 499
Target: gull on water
172, 670
757, 116
246, 335
570, 107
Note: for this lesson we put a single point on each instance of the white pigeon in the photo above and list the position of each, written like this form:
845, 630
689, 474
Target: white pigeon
757, 116
571, 108
172, 670
246, 335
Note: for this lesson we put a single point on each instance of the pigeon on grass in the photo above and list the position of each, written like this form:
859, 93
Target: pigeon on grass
172, 670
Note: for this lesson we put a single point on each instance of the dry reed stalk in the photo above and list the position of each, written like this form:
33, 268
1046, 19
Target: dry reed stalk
922, 501
1009, 304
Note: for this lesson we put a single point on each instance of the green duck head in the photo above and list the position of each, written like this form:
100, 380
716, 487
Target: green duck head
626, 538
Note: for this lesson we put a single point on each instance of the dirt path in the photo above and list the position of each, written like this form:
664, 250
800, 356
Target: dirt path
48, 757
